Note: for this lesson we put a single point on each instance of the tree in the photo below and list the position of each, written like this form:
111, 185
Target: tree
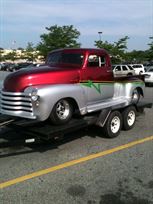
121, 44
116, 49
20, 48
137, 56
30, 52
58, 37
1, 55
121, 47
105, 45
11, 56
150, 51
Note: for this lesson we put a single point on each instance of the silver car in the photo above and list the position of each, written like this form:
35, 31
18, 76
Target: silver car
123, 70
149, 77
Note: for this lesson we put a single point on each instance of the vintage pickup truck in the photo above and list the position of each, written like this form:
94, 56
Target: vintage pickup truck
72, 81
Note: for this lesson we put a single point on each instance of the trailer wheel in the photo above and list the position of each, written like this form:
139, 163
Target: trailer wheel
135, 96
113, 125
62, 112
129, 117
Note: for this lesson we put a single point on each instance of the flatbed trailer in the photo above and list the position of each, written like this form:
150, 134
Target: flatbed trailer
111, 120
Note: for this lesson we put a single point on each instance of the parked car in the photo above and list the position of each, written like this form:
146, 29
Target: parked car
139, 68
15, 67
33, 65
148, 66
123, 70
149, 77
1, 65
6, 66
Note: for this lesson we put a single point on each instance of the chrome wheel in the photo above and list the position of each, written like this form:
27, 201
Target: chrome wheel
62, 109
135, 96
61, 112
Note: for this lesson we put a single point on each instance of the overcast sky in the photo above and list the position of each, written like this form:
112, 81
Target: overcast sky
24, 21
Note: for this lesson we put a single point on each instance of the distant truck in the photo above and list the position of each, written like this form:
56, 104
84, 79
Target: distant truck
72, 81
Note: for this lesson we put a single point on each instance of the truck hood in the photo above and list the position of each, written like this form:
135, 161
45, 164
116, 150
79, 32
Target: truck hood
46, 75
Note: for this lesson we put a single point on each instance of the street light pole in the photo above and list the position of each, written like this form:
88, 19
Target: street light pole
100, 35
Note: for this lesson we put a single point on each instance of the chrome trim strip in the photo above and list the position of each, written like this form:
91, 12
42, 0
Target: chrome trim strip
16, 108
14, 98
14, 93
15, 103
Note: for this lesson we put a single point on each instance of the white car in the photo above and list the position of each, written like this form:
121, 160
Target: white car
149, 77
123, 70
139, 68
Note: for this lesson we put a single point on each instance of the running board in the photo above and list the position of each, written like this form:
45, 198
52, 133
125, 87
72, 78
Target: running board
108, 104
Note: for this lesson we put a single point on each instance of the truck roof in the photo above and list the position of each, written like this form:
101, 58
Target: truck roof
90, 50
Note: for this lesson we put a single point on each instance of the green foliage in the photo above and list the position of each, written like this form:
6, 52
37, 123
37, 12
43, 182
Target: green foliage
137, 56
11, 56
121, 44
30, 52
20, 48
118, 52
1, 55
58, 37
150, 51
116, 49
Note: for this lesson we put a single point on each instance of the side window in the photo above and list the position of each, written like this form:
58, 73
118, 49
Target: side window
124, 68
96, 61
102, 61
130, 67
118, 68
93, 61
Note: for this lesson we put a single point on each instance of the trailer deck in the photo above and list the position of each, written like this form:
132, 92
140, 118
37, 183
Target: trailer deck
36, 131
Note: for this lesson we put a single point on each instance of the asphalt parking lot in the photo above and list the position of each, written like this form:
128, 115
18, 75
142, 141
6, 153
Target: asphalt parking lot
83, 167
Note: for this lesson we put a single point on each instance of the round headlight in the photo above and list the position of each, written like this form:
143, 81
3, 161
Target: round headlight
34, 95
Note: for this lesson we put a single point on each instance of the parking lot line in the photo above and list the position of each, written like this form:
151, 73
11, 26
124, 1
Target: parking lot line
73, 162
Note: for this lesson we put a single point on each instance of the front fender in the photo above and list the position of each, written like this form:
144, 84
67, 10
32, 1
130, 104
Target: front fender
50, 94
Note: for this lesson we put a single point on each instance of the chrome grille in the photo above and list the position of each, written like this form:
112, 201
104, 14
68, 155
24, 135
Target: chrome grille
18, 104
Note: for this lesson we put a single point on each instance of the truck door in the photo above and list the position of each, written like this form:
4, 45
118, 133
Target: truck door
97, 78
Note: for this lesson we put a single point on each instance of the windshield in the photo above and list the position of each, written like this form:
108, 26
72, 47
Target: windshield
65, 58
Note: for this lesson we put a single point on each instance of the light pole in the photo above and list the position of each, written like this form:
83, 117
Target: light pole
99, 32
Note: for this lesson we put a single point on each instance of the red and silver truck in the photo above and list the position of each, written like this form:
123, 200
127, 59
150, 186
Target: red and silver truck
72, 82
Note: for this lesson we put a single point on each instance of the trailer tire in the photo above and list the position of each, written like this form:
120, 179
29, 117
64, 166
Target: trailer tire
61, 112
113, 125
129, 117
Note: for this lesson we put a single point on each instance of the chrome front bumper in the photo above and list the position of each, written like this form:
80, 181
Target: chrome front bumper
16, 104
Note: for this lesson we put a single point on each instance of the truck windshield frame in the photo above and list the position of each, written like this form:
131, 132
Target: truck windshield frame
65, 59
